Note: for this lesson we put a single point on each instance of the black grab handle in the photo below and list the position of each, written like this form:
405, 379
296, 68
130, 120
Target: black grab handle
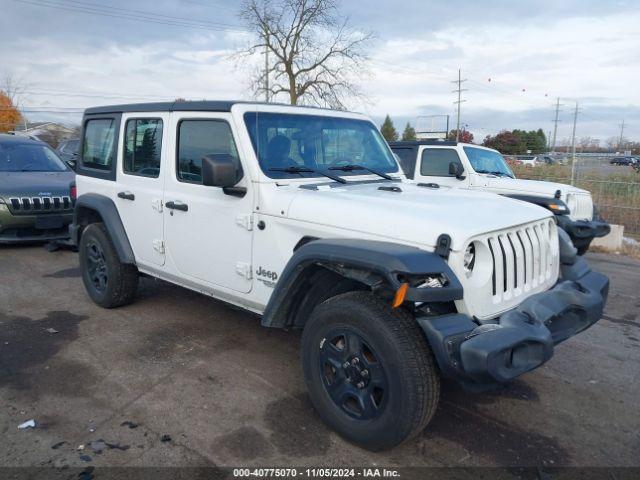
177, 206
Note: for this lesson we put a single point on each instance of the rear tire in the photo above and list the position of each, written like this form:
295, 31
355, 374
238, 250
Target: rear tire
109, 282
369, 370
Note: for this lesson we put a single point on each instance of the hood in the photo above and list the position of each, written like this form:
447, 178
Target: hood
415, 215
35, 184
507, 186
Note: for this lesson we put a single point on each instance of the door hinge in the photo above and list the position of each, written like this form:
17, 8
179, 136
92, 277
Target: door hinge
244, 269
158, 246
157, 205
245, 221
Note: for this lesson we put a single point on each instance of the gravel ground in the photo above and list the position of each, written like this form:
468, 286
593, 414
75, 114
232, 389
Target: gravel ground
228, 392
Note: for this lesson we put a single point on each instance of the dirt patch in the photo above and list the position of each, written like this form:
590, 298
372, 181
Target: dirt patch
296, 428
178, 340
486, 437
27, 352
66, 273
245, 443
622, 321
516, 390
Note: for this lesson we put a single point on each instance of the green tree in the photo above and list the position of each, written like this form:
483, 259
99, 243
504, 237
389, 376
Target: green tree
409, 133
507, 143
388, 130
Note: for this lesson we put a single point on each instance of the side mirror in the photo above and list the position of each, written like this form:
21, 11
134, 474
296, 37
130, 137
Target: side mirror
456, 170
219, 170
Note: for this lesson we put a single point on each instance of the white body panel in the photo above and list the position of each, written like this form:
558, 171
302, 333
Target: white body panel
216, 247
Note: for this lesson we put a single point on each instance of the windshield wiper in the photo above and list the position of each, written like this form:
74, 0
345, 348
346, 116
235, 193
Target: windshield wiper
496, 173
301, 170
351, 167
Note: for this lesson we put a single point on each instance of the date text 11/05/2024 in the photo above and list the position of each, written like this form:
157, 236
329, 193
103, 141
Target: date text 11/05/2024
316, 472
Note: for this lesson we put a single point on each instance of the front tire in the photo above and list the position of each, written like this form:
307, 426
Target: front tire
109, 282
369, 370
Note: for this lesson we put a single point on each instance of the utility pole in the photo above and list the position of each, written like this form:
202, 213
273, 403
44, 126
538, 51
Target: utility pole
549, 141
573, 145
555, 125
459, 91
620, 146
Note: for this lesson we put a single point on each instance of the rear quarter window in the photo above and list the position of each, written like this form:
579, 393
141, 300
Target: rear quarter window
98, 146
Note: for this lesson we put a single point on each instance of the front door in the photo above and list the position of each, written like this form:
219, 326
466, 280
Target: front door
434, 166
207, 231
140, 184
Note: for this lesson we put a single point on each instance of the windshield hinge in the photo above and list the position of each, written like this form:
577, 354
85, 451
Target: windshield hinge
245, 220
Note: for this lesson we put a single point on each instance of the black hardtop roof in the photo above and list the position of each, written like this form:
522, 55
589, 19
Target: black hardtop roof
179, 106
414, 143
6, 138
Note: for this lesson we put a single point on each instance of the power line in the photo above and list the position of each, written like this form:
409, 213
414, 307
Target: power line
459, 90
135, 15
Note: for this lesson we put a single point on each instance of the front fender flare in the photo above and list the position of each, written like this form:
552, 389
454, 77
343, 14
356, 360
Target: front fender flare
385, 260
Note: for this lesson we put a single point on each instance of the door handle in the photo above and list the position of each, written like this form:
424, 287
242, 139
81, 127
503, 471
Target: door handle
126, 196
177, 205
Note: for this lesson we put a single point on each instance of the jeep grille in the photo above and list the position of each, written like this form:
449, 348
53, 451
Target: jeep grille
31, 205
523, 260
580, 206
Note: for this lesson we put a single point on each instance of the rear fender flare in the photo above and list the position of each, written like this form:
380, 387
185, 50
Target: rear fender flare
90, 204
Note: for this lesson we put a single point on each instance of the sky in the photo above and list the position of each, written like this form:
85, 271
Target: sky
517, 59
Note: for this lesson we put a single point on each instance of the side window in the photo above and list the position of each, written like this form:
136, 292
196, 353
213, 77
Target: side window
198, 138
142, 147
99, 145
435, 161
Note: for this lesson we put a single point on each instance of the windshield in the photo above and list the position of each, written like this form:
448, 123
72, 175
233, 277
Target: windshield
314, 142
29, 157
488, 161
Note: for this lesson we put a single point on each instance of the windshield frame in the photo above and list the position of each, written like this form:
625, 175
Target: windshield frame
320, 115
55, 158
506, 169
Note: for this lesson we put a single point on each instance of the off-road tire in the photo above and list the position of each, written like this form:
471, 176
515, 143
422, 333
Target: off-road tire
122, 279
402, 351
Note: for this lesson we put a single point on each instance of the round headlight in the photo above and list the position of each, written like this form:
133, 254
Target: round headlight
469, 258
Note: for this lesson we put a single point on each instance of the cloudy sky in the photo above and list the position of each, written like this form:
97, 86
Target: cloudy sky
517, 57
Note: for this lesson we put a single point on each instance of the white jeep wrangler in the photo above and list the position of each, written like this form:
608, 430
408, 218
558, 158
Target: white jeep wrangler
465, 165
302, 215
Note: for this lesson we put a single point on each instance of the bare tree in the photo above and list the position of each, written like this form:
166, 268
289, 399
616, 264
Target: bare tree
315, 55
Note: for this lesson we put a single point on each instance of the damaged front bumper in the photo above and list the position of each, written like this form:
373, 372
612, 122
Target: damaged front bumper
582, 232
523, 338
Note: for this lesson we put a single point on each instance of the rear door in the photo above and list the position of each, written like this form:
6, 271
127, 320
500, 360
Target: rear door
140, 183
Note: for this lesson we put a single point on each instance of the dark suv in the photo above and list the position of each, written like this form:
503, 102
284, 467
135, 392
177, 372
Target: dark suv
68, 151
36, 191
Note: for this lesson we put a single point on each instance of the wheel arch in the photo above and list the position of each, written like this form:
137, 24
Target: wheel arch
323, 268
92, 208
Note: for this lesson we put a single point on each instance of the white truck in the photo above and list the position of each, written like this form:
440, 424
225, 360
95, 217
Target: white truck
302, 215
463, 165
